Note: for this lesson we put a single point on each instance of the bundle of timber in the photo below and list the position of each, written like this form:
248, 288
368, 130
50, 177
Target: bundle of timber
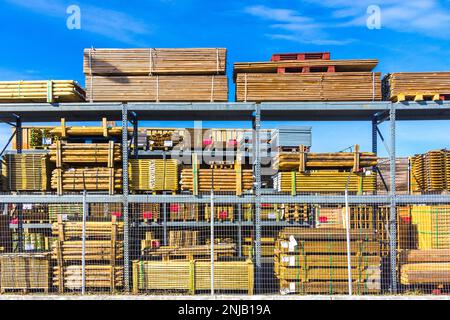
41, 91
198, 88
102, 251
268, 211
302, 161
97, 277
228, 180
192, 276
163, 139
267, 246
153, 175
315, 261
106, 130
97, 153
5, 234
25, 272
65, 210
183, 238
425, 267
324, 181
430, 172
25, 172
149, 242
192, 252
401, 175
89, 179
105, 210
432, 226
417, 86
222, 212
146, 211
155, 61
156, 75
184, 212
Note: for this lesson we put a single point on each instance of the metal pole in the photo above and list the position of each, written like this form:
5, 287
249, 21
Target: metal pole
126, 243
393, 211
136, 136
83, 246
212, 241
257, 190
19, 206
239, 212
347, 235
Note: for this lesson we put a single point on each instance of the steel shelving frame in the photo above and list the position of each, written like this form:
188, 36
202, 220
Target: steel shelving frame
372, 112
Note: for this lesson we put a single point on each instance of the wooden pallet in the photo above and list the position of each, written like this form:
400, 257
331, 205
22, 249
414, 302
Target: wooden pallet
418, 97
153, 175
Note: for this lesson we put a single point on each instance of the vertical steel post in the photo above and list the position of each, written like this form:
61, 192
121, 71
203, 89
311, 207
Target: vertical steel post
164, 205
19, 142
136, 136
393, 211
239, 226
126, 243
212, 241
83, 246
257, 194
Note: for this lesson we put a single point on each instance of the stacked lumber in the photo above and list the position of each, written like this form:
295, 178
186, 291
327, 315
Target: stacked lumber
105, 210
192, 252
267, 247
41, 91
417, 84
183, 212
222, 212
146, 211
192, 276
24, 271
103, 254
401, 175
432, 225
324, 181
183, 238
339, 86
311, 261
90, 179
67, 211
153, 174
228, 180
425, 267
25, 172
160, 139
156, 75
35, 241
149, 242
70, 153
155, 61
430, 172
83, 131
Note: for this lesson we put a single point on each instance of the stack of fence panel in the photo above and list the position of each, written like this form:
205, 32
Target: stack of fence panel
41, 91
417, 86
25, 172
153, 175
309, 261
86, 166
301, 171
429, 171
156, 75
103, 255
300, 77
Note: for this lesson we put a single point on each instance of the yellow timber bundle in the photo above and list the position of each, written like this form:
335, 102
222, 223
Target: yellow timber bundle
430, 172
425, 267
432, 225
93, 153
324, 181
41, 91
153, 174
25, 172
309, 261
192, 276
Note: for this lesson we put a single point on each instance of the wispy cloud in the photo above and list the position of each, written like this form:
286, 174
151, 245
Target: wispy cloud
292, 26
426, 17
14, 75
105, 22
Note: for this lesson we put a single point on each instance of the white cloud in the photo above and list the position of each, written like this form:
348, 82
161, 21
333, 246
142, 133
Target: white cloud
14, 75
297, 28
105, 22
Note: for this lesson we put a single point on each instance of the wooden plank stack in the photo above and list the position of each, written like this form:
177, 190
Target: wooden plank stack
24, 271
41, 91
432, 225
307, 80
416, 85
192, 276
183, 238
172, 75
430, 172
103, 255
309, 261
66, 210
25, 172
82, 153
5, 234
225, 250
153, 175
401, 175
184, 212
425, 269
222, 212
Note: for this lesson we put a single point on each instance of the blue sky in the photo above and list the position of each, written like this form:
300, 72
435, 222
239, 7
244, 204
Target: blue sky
414, 36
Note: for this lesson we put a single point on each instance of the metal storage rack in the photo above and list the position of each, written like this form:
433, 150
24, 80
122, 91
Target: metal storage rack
372, 112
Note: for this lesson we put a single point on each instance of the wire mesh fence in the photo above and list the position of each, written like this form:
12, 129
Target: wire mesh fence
214, 244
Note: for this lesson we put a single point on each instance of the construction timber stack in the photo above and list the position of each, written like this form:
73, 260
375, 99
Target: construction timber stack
307, 77
159, 75
300, 171
25, 172
430, 172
